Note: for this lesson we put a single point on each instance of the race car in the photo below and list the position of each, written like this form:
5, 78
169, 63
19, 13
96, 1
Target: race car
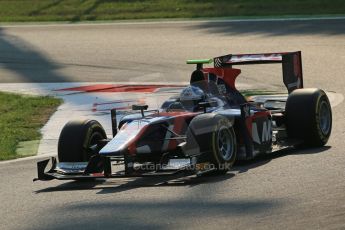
205, 129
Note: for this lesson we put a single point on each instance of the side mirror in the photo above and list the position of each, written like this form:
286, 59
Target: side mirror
274, 104
205, 104
141, 108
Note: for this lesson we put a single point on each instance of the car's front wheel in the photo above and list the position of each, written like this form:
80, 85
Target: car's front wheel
78, 138
214, 137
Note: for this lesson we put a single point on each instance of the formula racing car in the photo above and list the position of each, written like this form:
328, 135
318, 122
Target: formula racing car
206, 128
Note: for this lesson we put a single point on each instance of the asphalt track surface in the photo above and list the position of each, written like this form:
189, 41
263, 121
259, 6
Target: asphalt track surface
301, 189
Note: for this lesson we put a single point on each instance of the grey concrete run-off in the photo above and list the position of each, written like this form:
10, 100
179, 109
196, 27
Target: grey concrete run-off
298, 190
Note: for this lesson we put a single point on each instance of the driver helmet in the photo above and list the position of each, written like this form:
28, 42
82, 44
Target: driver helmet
191, 96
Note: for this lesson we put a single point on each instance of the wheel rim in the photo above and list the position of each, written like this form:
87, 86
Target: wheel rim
325, 118
95, 137
225, 143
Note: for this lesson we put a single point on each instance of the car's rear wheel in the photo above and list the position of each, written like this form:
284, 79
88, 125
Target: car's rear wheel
78, 138
309, 116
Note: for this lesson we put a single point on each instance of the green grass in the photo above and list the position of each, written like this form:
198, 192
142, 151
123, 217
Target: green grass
21, 117
256, 92
79, 10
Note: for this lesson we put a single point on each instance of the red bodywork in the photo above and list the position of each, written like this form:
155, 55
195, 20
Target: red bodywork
229, 75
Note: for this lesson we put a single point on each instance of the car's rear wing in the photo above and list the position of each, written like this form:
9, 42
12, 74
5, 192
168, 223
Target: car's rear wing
291, 65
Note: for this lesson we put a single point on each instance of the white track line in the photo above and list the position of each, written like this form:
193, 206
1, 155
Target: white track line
46, 156
196, 21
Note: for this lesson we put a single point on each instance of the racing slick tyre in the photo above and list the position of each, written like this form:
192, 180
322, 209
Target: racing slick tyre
214, 135
76, 138
308, 116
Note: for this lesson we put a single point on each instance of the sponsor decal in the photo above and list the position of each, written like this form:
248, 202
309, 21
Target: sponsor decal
221, 88
256, 57
71, 167
266, 132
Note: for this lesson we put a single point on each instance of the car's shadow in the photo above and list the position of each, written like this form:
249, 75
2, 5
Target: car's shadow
116, 185
244, 166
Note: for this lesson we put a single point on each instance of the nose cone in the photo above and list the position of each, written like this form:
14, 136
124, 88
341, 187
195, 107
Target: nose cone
125, 137
116, 147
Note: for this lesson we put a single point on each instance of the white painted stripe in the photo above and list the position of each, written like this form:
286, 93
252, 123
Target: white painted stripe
177, 21
335, 98
42, 156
